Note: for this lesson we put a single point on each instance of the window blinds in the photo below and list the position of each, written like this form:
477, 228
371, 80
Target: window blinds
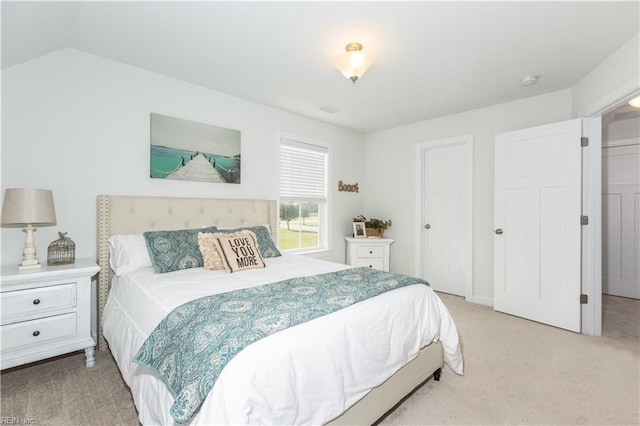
303, 171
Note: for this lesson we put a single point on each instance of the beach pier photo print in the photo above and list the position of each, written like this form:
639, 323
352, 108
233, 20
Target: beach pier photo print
188, 150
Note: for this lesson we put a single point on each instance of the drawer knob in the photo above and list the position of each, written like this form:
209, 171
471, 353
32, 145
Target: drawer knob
36, 333
370, 252
36, 302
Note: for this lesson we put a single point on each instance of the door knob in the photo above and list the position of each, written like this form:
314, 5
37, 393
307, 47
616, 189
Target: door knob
499, 231
427, 226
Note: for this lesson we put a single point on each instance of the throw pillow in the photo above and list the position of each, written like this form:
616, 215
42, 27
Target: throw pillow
210, 254
175, 250
266, 245
239, 251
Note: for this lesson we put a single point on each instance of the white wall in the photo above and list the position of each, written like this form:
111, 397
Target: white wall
78, 124
611, 81
389, 173
621, 129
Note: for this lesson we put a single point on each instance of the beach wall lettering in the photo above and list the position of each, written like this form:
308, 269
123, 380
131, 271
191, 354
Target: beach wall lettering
348, 187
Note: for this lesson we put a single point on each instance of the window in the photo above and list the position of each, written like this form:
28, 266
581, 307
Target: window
303, 196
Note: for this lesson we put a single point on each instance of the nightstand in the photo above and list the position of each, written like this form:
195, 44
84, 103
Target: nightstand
46, 312
370, 252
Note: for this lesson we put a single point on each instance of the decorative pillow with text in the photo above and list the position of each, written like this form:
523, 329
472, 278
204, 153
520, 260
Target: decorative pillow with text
210, 254
239, 251
266, 245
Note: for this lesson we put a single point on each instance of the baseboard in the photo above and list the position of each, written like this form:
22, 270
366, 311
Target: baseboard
488, 301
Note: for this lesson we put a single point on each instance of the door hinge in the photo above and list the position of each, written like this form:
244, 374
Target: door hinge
584, 220
584, 299
584, 141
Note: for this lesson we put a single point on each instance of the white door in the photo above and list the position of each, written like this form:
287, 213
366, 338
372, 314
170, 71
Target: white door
446, 215
537, 240
620, 221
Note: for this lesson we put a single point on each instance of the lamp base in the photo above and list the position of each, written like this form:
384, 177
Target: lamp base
29, 259
29, 264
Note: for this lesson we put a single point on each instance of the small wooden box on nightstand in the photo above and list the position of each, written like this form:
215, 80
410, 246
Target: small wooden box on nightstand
46, 312
369, 252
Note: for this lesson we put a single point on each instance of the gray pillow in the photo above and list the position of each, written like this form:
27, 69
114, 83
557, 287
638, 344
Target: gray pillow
266, 245
175, 250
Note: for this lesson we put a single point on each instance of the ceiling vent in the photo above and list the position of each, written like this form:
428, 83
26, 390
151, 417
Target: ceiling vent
330, 109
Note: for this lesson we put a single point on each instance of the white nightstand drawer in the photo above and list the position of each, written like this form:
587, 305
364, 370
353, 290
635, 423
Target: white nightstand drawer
370, 251
46, 312
37, 302
371, 263
37, 332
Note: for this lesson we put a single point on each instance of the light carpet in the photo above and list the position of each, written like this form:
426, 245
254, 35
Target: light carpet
523, 372
516, 372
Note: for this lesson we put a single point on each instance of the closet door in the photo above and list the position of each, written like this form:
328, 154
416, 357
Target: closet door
445, 214
621, 221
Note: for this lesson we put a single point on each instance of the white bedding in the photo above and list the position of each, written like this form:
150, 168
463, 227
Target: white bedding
307, 374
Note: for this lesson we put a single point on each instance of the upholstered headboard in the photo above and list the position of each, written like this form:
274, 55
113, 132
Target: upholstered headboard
134, 215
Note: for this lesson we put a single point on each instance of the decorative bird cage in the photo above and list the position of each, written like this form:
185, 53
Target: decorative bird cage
61, 251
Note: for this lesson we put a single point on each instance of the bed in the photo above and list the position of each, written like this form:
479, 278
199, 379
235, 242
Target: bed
310, 384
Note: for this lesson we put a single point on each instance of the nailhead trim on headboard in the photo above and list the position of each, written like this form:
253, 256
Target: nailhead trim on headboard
103, 261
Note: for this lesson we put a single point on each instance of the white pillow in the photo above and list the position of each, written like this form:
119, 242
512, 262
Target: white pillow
128, 252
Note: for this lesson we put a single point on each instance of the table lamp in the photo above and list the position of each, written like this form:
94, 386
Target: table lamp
28, 208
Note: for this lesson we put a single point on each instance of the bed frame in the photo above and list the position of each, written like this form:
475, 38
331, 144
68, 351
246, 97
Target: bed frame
132, 214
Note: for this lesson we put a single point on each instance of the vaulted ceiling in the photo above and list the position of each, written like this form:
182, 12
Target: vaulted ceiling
431, 59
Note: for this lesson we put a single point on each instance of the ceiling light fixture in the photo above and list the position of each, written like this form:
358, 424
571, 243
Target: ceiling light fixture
353, 63
635, 102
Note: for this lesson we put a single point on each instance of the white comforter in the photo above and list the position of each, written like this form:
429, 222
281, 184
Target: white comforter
307, 374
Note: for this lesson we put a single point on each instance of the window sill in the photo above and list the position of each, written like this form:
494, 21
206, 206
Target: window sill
311, 253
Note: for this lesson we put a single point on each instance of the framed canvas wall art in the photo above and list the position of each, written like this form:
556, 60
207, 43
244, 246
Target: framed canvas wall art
188, 150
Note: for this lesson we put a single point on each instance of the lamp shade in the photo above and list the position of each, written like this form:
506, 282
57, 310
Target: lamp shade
28, 206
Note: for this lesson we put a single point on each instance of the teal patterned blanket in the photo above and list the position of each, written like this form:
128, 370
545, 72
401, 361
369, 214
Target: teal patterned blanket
191, 345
